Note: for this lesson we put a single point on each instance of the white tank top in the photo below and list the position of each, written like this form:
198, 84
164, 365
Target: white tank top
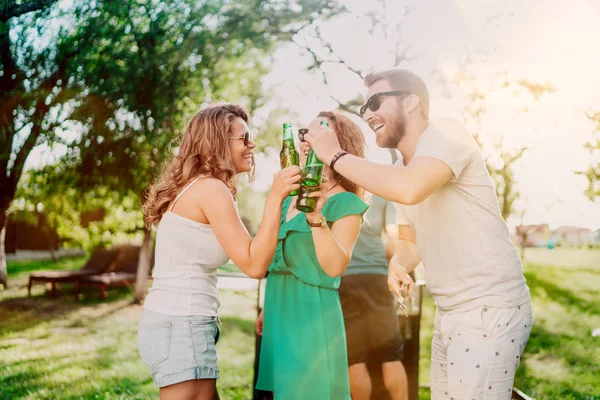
185, 270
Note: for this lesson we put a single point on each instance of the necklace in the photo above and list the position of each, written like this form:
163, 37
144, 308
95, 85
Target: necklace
329, 189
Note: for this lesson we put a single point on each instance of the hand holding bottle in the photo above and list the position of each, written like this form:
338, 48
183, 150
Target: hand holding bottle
286, 181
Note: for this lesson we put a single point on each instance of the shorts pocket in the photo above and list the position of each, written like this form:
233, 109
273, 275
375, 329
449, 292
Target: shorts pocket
499, 382
153, 343
204, 335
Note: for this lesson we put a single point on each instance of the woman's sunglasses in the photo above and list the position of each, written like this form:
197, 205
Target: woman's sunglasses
374, 101
247, 138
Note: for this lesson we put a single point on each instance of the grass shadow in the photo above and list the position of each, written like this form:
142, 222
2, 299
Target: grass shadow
19, 315
558, 366
543, 288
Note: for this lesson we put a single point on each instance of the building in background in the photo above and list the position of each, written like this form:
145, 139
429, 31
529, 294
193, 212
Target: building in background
570, 236
532, 235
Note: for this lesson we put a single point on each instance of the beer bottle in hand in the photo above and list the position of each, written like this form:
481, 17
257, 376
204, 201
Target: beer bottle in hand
313, 170
312, 174
288, 155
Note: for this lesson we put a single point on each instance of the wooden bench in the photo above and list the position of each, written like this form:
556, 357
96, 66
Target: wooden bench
100, 261
122, 273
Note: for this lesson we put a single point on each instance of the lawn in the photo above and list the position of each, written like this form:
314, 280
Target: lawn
562, 359
71, 349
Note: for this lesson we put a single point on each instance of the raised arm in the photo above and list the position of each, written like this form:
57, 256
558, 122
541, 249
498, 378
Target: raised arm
251, 255
409, 184
444, 157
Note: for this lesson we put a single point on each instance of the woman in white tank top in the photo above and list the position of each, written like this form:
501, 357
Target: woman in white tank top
199, 230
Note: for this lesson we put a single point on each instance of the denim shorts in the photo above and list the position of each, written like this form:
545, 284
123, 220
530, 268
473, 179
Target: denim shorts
177, 349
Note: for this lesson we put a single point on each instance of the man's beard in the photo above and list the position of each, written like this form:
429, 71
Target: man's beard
395, 131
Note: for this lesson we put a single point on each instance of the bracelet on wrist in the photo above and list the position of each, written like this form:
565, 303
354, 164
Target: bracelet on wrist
319, 224
337, 156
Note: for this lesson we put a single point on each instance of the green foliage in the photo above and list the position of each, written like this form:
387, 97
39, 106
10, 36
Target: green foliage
148, 66
46, 194
33, 89
593, 172
504, 177
500, 161
37, 199
115, 81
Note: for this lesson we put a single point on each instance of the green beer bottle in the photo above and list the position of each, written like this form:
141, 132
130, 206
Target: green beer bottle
304, 203
312, 174
313, 170
288, 155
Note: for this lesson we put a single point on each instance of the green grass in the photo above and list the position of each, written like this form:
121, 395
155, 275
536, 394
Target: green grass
563, 257
86, 349
70, 349
562, 359
20, 269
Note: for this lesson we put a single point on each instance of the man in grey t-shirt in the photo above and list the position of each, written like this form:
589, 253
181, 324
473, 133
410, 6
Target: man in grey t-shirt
450, 219
372, 333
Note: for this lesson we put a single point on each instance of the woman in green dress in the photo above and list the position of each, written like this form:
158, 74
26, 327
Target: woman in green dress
303, 351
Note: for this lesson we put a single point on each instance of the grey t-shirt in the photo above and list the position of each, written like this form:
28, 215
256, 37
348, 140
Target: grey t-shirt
463, 240
369, 255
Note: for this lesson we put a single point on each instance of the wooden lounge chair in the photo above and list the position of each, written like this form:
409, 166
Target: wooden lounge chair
100, 260
122, 273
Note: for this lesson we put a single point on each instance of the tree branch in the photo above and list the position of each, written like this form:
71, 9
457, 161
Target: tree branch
12, 9
317, 62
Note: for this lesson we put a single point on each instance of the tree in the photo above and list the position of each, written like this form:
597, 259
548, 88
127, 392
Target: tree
476, 90
386, 27
73, 218
37, 201
32, 88
381, 26
147, 66
593, 172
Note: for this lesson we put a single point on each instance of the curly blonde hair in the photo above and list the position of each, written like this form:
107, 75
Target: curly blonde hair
351, 140
204, 150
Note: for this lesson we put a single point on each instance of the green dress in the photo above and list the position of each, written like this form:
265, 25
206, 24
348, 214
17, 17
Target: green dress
303, 352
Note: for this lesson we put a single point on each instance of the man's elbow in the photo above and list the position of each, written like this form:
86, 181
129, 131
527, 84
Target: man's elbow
410, 197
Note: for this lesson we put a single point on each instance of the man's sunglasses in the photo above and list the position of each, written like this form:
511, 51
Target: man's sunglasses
375, 101
247, 138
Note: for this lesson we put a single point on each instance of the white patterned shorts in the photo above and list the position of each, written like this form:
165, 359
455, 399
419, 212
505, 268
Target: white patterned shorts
475, 354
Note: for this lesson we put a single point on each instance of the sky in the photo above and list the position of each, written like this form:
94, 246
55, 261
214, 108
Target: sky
554, 41
544, 42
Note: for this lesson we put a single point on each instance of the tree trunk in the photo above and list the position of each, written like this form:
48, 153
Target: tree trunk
3, 226
523, 244
52, 239
53, 255
143, 269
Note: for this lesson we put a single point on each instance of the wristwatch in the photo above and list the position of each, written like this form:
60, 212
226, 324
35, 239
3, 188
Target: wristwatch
320, 224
